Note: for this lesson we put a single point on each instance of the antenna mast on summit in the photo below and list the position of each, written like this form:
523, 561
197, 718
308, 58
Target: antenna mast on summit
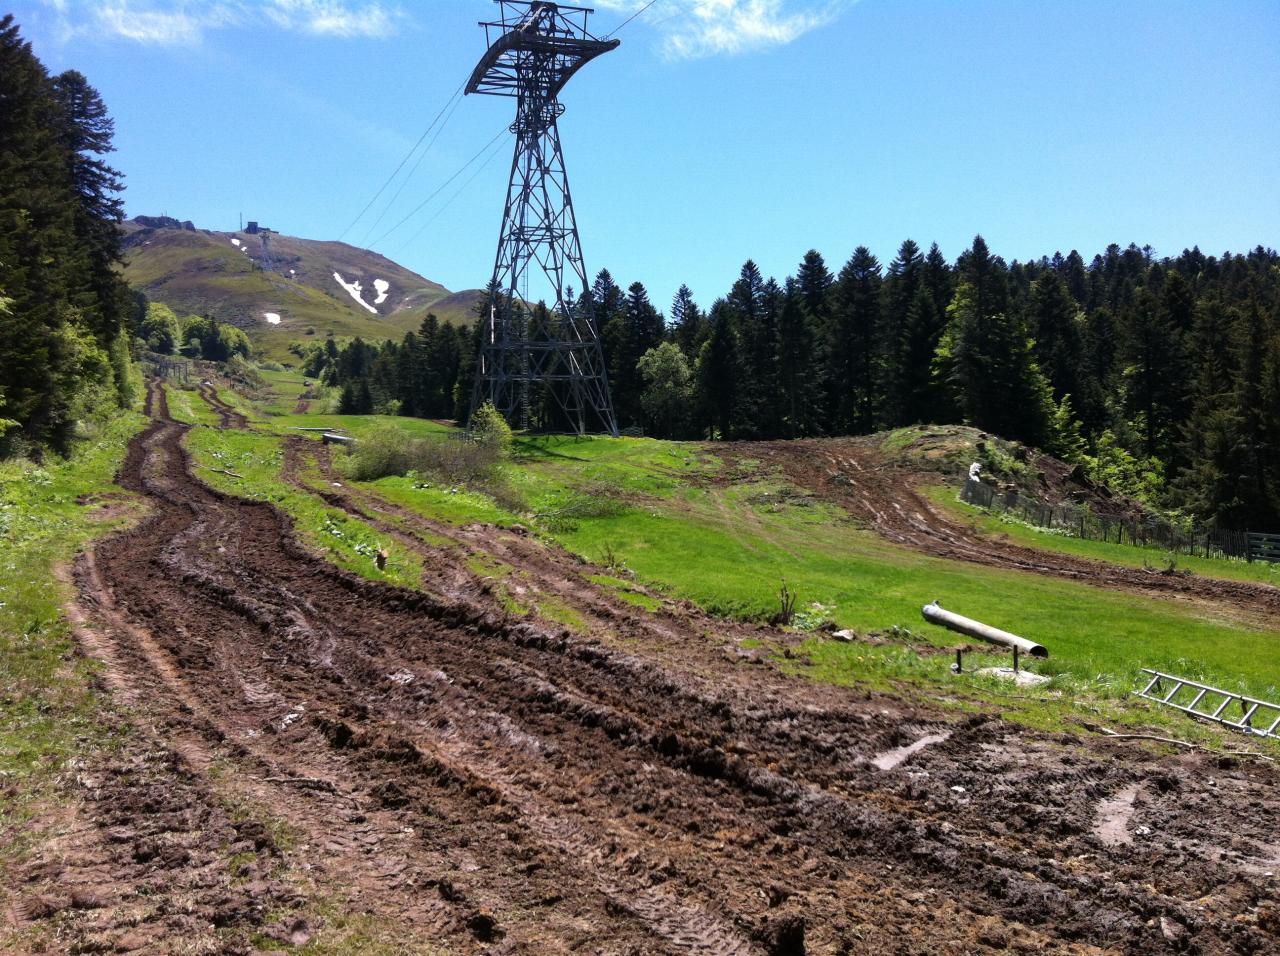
544, 354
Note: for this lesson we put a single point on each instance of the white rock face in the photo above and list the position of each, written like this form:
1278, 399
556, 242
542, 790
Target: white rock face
381, 286
272, 317
355, 291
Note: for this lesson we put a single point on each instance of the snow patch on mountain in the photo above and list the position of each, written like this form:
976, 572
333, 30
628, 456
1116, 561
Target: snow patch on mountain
272, 318
381, 286
355, 290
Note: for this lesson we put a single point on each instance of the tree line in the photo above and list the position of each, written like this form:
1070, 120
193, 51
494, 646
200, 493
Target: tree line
64, 308
1162, 374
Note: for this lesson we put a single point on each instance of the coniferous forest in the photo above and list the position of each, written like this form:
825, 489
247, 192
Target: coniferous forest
1161, 375
65, 311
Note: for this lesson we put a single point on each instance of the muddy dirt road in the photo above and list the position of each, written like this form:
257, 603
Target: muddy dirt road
227, 414
309, 742
882, 494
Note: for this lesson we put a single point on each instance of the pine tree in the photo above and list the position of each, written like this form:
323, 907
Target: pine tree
85, 131
1212, 439
799, 375
1057, 333
688, 324
1255, 345
985, 357
718, 374
902, 287
1154, 377
753, 315
852, 346
815, 286
37, 227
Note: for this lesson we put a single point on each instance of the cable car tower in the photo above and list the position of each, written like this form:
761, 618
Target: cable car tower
528, 352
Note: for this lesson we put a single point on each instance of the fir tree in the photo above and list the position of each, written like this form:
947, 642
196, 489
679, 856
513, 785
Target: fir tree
718, 373
852, 346
799, 377
688, 324
903, 285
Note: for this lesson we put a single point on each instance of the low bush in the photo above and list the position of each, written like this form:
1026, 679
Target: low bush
386, 451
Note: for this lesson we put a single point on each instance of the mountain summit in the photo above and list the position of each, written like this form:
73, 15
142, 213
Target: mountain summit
282, 288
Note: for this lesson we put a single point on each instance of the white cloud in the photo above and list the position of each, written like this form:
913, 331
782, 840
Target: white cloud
186, 22
334, 17
699, 28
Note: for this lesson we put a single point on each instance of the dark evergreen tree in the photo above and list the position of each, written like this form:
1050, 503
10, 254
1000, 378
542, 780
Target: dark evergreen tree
986, 358
1155, 386
852, 346
1058, 334
903, 285
799, 377
688, 325
718, 373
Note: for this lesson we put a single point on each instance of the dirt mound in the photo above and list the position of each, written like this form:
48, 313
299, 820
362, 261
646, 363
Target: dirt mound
1012, 466
877, 487
493, 784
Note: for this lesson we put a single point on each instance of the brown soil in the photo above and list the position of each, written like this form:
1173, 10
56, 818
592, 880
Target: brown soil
637, 786
227, 415
881, 493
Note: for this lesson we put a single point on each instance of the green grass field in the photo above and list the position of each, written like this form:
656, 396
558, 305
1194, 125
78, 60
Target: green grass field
48, 714
1231, 569
664, 514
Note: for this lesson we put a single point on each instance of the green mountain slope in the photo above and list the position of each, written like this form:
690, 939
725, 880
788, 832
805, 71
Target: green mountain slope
285, 289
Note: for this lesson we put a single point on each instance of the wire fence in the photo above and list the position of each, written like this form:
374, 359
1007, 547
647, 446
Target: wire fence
1079, 521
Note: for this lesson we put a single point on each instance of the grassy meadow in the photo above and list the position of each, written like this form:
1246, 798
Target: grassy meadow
48, 713
667, 515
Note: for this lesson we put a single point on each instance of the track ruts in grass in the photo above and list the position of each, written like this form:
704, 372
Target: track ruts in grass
551, 791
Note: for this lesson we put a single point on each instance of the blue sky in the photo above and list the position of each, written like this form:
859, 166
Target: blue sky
720, 130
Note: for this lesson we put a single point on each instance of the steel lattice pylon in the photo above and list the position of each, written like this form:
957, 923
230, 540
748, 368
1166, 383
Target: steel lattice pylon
549, 353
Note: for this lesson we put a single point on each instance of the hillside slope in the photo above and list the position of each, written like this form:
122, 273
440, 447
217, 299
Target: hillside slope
285, 289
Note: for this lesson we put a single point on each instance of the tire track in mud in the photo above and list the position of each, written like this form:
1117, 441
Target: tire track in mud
370, 506
228, 416
884, 496
563, 793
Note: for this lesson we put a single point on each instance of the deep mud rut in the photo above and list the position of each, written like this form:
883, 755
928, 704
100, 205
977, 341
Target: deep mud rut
228, 417
480, 783
883, 495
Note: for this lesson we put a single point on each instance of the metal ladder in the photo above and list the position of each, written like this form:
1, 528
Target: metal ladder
1212, 703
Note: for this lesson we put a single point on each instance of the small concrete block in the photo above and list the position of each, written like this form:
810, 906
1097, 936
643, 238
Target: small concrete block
1021, 678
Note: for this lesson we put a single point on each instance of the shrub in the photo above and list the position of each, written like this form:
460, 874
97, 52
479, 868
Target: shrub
386, 451
488, 427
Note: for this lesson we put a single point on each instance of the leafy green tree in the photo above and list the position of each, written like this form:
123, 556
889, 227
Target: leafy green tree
160, 329
489, 428
668, 389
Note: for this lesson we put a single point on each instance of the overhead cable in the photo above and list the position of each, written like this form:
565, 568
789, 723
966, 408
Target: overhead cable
448, 202
416, 209
425, 133
408, 176
618, 29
